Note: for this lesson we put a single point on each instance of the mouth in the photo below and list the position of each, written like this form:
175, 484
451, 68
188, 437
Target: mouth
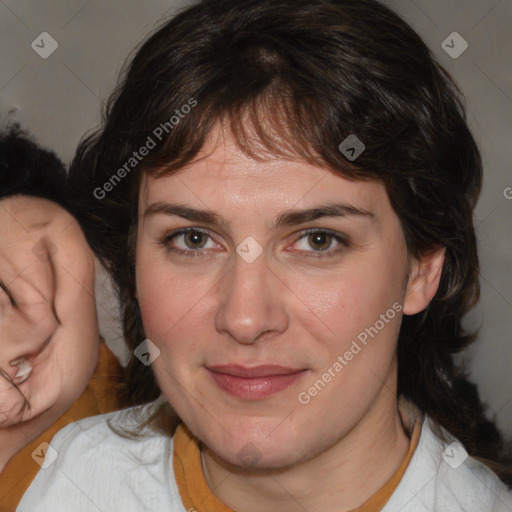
256, 382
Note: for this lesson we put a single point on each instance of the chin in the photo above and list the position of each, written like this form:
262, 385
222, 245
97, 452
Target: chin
256, 447
255, 457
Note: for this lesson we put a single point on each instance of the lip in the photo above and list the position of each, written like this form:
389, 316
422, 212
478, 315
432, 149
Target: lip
254, 382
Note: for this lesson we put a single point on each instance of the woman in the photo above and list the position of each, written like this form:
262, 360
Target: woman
53, 368
283, 193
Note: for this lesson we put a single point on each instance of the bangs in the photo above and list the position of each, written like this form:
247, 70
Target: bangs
269, 109
273, 125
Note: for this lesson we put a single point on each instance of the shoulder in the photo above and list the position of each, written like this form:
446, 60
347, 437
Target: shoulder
90, 465
442, 476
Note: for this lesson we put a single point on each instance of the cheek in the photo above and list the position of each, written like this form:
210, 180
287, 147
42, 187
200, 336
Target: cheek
172, 305
337, 308
175, 319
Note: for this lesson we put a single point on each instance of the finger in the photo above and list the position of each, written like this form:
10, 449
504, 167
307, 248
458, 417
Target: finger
28, 274
5, 299
26, 323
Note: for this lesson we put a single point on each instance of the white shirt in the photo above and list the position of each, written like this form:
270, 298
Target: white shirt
96, 470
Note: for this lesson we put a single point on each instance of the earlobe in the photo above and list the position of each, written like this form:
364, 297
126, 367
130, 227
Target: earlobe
423, 283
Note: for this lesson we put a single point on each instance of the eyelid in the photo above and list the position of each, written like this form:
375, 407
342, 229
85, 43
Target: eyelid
342, 240
182, 231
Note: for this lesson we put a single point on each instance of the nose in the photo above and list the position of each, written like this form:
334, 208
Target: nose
252, 302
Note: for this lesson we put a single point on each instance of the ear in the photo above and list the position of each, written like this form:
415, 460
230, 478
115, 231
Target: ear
423, 282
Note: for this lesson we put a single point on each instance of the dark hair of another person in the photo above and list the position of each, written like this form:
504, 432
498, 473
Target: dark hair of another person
28, 169
294, 78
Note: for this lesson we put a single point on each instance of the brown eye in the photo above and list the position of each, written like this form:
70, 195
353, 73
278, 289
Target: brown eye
320, 241
195, 239
190, 242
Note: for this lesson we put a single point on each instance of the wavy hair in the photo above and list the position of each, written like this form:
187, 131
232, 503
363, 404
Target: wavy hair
294, 78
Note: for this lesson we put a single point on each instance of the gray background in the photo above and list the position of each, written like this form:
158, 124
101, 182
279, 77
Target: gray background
58, 99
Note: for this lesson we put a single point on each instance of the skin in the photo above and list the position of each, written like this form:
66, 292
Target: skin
47, 308
293, 306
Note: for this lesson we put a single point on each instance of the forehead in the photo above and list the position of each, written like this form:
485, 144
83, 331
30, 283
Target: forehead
223, 176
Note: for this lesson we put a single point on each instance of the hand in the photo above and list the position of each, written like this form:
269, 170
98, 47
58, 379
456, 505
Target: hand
49, 337
27, 317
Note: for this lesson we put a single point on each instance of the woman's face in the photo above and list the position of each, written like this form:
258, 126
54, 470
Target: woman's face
274, 292
48, 325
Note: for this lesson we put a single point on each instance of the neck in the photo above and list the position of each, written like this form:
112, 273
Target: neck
336, 480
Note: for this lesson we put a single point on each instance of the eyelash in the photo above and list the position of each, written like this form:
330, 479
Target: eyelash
342, 240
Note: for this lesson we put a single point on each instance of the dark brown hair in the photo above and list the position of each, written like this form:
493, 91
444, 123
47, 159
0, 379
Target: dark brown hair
28, 169
294, 78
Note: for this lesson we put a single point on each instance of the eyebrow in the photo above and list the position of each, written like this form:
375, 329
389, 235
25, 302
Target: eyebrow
287, 218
